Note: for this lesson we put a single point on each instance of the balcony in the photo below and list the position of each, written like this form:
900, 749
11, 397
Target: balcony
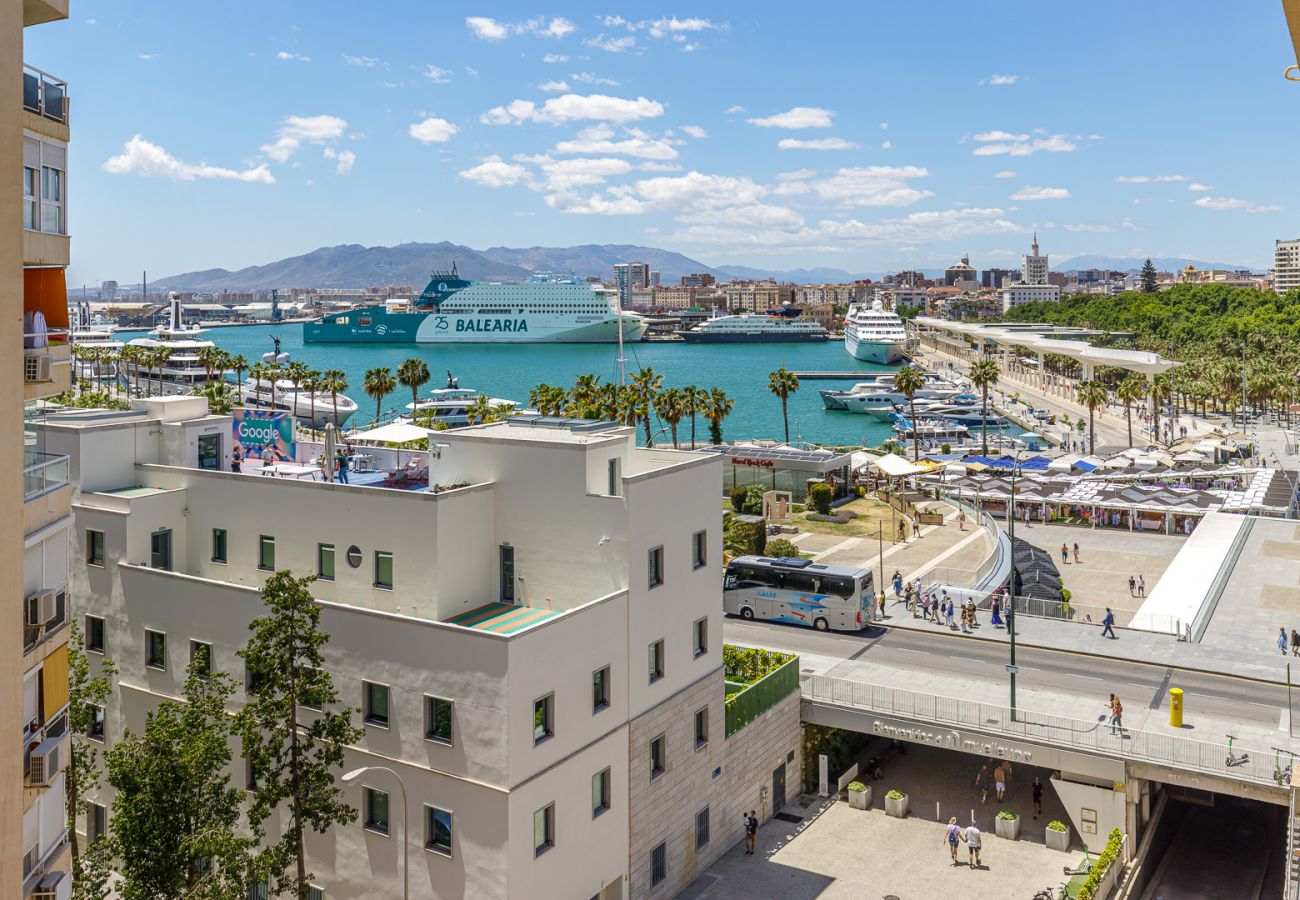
43, 473
45, 95
47, 370
36, 12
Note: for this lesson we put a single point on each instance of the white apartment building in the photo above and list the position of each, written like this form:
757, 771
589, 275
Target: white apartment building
1032, 286
536, 647
1286, 266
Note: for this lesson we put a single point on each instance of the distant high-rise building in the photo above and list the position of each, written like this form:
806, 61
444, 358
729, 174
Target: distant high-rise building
698, 279
1034, 285
993, 278
654, 278
627, 277
1033, 268
1286, 266
108, 290
961, 271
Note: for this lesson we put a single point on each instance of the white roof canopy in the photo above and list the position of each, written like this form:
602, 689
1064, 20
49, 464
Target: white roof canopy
1133, 360
894, 466
395, 433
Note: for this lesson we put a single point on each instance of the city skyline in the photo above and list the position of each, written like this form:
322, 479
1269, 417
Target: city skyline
725, 138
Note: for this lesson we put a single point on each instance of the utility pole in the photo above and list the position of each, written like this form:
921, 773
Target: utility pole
1011, 584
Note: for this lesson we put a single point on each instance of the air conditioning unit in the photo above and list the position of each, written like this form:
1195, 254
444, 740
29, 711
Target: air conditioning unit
46, 762
40, 608
37, 367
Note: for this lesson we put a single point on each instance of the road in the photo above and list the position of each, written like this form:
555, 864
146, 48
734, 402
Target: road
1207, 697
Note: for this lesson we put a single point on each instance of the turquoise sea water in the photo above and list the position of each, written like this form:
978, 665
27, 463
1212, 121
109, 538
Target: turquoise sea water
511, 370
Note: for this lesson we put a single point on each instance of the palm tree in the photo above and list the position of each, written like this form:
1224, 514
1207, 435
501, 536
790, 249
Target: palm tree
984, 374
783, 383
645, 384
693, 398
239, 363
221, 396
586, 390
414, 374
379, 383
478, 410
209, 356
1092, 394
158, 358
334, 381
907, 381
670, 406
311, 384
296, 372
548, 400
1130, 391
717, 406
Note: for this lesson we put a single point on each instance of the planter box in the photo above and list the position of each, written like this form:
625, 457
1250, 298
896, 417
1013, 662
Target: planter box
1007, 828
896, 808
1058, 840
860, 800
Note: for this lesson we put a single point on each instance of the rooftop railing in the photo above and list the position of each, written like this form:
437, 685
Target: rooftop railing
44, 94
43, 472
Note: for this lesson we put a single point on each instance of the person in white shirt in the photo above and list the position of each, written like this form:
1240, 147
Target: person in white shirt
973, 840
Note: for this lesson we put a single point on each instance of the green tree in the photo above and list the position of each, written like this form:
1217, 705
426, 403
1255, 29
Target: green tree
293, 762
414, 374
478, 410
717, 406
221, 396
693, 398
782, 383
1148, 277
175, 813
87, 695
334, 382
645, 385
379, 383
984, 374
296, 373
1131, 390
1092, 394
670, 406
239, 363
907, 381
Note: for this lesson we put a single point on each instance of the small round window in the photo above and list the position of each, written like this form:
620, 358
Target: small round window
354, 556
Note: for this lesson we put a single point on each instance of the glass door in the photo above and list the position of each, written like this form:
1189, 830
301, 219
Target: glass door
160, 550
508, 574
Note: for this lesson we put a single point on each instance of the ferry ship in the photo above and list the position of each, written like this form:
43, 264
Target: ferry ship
452, 310
781, 326
874, 334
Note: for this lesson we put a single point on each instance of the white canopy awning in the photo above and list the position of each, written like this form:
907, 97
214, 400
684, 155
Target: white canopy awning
895, 466
396, 433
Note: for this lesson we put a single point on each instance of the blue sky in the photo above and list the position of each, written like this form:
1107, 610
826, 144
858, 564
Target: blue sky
869, 136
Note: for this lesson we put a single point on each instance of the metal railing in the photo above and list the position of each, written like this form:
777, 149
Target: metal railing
1091, 736
762, 695
43, 472
1202, 619
44, 94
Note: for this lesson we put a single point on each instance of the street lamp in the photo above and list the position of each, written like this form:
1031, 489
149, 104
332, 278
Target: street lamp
1011, 584
406, 821
880, 586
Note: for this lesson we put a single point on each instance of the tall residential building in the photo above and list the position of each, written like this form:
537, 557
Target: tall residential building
654, 278
538, 659
1033, 267
629, 276
1286, 266
993, 278
1034, 285
34, 536
108, 290
698, 279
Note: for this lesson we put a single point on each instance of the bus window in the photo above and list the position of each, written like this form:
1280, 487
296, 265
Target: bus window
799, 581
837, 585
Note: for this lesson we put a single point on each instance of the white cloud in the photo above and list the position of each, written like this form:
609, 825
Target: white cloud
1225, 203
292, 57
555, 58
634, 142
282, 149
141, 157
1150, 179
1008, 144
998, 80
830, 143
574, 107
612, 44
1125, 224
798, 117
872, 186
557, 28
437, 75
886, 145
683, 194
1197, 186
539, 26
487, 29
432, 130
589, 78
296, 129
345, 159
1005, 173
147, 57
659, 167
733, 110
495, 172
471, 71
365, 62
1030, 192
553, 86
796, 175
1000, 136
695, 131
566, 174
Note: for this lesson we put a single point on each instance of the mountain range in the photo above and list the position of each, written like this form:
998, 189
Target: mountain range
355, 266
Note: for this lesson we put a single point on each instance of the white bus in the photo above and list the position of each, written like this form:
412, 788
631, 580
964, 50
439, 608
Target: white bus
799, 591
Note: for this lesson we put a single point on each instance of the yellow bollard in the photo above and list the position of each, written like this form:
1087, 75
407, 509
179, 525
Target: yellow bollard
1176, 707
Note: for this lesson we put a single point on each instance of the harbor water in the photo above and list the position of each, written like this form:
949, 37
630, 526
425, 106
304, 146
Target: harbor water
511, 370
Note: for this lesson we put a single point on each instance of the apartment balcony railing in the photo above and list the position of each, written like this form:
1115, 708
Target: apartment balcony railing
45, 95
43, 472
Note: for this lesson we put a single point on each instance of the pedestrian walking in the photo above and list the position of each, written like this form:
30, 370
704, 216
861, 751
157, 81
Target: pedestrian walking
1132, 585
1281, 640
1295, 642
1000, 780
881, 601
235, 459
1108, 624
751, 832
925, 607
1116, 715
951, 616
1076, 551
898, 586
996, 617
984, 781
952, 834
1065, 554
1038, 798
973, 840
961, 520
1142, 586
902, 530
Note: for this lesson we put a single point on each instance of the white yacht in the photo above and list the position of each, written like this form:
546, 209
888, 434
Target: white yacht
874, 334
780, 327
448, 404
878, 394
92, 334
313, 410
182, 371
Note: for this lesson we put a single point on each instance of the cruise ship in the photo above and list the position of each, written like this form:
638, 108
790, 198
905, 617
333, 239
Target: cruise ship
874, 334
779, 327
452, 310
182, 371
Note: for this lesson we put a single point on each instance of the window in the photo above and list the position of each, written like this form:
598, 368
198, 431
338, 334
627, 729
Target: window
615, 477
250, 777
658, 864
702, 828
201, 659
376, 812
325, 562
155, 649
315, 893
160, 550
96, 822
656, 660
266, 553
700, 636
599, 792
543, 829
219, 545
507, 573
51, 200
376, 703
658, 753
656, 567
543, 718
383, 569
310, 697
437, 720
699, 549
437, 830
701, 727
94, 634
600, 690
95, 731
94, 547
31, 219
